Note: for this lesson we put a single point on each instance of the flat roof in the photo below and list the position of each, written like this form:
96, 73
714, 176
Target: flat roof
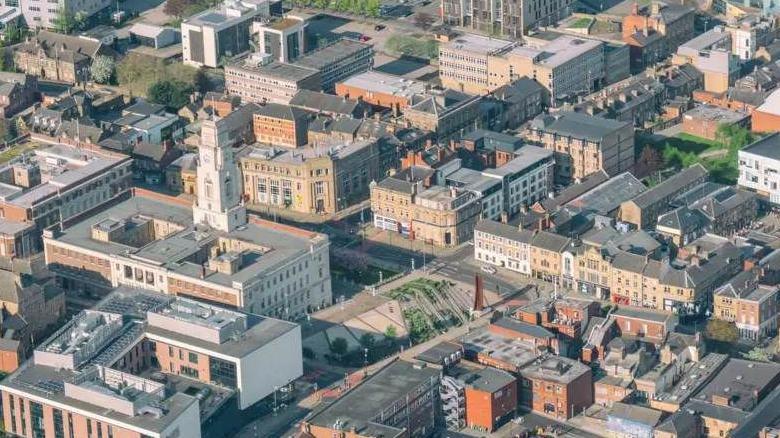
741, 381
478, 44
275, 69
384, 83
768, 147
61, 167
321, 58
555, 368
359, 407
564, 49
48, 383
509, 350
714, 114
525, 157
173, 251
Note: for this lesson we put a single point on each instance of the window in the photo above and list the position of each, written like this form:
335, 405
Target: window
189, 372
193, 357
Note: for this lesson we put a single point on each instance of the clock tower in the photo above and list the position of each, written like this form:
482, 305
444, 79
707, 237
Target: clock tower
218, 204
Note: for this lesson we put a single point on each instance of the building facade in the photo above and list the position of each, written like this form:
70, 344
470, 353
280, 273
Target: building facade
315, 179
584, 144
224, 31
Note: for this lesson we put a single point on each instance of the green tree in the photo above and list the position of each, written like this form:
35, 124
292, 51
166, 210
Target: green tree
13, 34
339, 346
21, 126
372, 8
367, 340
102, 69
172, 93
721, 331
80, 20
757, 354
64, 21
391, 332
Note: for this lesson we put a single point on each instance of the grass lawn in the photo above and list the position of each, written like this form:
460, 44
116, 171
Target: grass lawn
691, 143
371, 276
16, 150
581, 23
684, 150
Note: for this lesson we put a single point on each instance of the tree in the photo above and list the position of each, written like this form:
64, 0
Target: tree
102, 69
757, 354
367, 340
391, 332
64, 22
424, 20
13, 34
174, 94
721, 331
176, 8
21, 126
372, 8
339, 346
649, 161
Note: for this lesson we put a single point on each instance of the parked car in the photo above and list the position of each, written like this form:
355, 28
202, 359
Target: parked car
488, 269
379, 27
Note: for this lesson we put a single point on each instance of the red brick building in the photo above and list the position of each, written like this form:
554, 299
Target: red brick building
766, 118
643, 323
557, 387
281, 125
491, 398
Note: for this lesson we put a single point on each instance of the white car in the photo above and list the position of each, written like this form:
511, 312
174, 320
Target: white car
488, 269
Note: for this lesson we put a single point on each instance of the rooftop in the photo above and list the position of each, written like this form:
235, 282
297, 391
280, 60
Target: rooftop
556, 369
742, 383
714, 114
511, 351
607, 197
577, 125
228, 13
61, 167
771, 104
361, 407
526, 157
325, 56
275, 69
487, 379
768, 147
478, 44
384, 83
269, 245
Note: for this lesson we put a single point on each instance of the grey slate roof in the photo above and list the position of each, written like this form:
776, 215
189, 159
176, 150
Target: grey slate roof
637, 414
681, 424
550, 241
577, 125
279, 111
516, 325
709, 410
683, 219
519, 90
574, 190
326, 103
503, 230
644, 314
664, 190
